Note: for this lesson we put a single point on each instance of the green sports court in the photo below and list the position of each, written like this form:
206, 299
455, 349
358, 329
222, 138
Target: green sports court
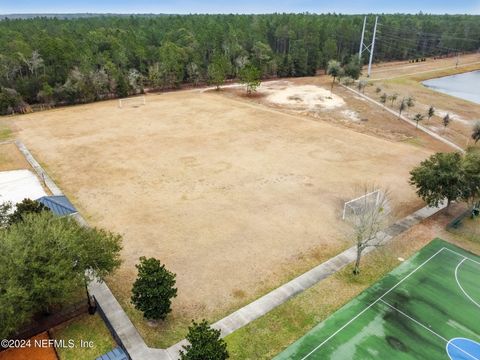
428, 308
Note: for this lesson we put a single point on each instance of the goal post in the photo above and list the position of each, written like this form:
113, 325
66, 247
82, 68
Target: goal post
355, 206
132, 101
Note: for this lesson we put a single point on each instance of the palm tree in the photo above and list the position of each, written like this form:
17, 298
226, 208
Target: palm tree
417, 118
446, 122
383, 99
410, 101
393, 98
476, 132
431, 112
403, 106
334, 70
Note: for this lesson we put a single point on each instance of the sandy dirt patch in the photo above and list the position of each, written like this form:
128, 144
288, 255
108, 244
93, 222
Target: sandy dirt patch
300, 97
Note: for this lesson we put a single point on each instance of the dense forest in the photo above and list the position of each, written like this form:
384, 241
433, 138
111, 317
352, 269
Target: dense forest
64, 61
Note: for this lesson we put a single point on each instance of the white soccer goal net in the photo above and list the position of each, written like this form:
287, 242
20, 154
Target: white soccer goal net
361, 204
132, 101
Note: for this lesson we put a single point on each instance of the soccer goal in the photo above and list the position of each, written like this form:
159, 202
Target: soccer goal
132, 101
361, 204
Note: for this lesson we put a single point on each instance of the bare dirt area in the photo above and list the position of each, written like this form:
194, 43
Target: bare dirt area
311, 96
406, 81
233, 196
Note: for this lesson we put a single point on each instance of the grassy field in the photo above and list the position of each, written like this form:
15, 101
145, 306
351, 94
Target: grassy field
86, 328
11, 158
5, 132
272, 333
234, 197
406, 81
410, 314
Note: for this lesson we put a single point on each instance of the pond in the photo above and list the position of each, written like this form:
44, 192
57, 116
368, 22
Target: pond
465, 86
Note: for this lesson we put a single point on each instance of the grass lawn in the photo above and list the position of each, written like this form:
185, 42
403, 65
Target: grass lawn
11, 158
272, 333
469, 228
86, 328
5, 132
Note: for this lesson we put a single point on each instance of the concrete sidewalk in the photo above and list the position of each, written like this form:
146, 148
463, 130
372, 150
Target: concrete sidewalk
127, 335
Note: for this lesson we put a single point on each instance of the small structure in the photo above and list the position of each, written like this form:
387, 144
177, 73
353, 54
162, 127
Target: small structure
59, 205
115, 354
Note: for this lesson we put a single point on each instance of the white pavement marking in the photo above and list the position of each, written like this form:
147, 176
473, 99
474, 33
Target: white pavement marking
369, 306
460, 285
463, 256
427, 328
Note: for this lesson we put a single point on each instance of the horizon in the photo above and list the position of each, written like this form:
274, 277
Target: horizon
247, 7
232, 13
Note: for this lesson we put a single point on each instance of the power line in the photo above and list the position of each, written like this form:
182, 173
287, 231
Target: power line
413, 43
421, 33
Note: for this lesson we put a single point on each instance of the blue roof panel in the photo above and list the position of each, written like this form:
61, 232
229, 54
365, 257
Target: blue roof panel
115, 354
59, 205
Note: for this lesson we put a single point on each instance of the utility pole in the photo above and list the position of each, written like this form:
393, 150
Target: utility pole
361, 41
370, 47
373, 47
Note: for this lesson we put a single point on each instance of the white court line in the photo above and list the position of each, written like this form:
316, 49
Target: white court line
369, 306
463, 256
460, 285
427, 328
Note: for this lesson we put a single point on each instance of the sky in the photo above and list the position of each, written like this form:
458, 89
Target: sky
242, 6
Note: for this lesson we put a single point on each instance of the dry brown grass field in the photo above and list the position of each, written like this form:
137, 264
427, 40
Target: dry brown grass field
11, 158
233, 196
405, 80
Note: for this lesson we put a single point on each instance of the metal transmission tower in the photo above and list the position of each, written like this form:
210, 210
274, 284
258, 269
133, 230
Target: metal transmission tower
370, 47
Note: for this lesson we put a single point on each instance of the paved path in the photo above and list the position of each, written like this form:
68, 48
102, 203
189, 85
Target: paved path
127, 335
411, 122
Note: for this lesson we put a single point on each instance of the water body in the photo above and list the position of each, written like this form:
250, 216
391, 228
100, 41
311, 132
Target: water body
465, 86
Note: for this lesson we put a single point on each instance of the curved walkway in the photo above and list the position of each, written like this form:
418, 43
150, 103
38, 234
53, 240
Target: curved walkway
127, 335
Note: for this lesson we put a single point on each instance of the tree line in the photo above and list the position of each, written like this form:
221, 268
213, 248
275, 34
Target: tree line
65, 61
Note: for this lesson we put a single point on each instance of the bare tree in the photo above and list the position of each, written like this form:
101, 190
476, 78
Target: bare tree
33, 63
368, 220
361, 85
